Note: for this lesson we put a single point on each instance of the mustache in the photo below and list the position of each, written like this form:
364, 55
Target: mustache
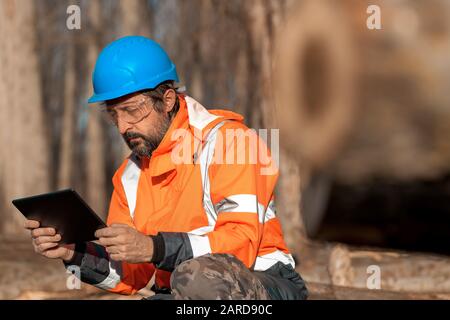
131, 135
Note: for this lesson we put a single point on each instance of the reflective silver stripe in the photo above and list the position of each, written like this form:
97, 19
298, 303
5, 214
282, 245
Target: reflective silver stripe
130, 181
271, 211
202, 230
261, 213
264, 262
113, 278
238, 203
246, 203
205, 161
264, 214
198, 238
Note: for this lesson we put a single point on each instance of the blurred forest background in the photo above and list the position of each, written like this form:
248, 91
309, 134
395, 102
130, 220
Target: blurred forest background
364, 119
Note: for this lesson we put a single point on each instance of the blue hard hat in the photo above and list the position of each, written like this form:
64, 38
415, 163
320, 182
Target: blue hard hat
128, 65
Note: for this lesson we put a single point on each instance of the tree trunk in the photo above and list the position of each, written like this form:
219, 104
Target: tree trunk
95, 150
24, 166
68, 122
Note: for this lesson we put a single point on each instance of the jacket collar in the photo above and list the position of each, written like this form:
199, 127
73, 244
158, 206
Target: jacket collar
194, 118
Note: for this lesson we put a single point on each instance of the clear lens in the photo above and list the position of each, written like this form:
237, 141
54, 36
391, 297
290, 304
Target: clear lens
129, 114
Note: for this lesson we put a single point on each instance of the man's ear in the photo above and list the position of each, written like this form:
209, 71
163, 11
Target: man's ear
169, 98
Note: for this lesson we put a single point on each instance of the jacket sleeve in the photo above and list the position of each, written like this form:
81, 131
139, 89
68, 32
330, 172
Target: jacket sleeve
96, 268
241, 189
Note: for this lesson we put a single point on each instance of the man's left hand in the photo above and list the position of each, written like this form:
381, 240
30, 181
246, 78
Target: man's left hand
124, 243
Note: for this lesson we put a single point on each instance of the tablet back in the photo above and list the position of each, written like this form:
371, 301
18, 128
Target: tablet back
63, 210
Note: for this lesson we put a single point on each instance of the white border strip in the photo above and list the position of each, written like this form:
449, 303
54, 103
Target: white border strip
130, 181
200, 245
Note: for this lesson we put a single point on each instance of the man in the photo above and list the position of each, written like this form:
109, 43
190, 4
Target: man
191, 204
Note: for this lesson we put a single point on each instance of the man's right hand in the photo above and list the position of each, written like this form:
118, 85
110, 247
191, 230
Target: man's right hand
46, 242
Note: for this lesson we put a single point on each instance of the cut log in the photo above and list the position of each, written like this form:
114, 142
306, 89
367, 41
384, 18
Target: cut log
315, 81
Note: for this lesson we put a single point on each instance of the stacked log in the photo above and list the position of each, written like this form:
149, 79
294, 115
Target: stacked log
367, 103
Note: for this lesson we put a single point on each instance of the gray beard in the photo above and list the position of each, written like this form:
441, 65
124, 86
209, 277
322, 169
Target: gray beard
150, 143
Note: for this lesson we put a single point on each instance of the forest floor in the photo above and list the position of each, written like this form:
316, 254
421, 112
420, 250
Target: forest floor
25, 275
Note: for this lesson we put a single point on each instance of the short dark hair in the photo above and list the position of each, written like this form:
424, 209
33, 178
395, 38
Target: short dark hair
157, 95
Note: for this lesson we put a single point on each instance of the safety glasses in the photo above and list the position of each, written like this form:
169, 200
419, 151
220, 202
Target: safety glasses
131, 114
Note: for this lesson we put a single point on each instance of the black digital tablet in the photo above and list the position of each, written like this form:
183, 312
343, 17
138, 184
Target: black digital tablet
63, 210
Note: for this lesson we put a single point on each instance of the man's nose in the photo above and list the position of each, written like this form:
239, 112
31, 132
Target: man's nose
123, 126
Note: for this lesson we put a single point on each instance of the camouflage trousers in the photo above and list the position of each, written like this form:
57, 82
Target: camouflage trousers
224, 277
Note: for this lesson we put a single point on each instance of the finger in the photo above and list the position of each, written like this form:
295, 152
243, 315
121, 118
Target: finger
113, 241
45, 239
109, 232
54, 252
115, 249
117, 257
70, 246
43, 232
45, 246
120, 225
100, 233
31, 224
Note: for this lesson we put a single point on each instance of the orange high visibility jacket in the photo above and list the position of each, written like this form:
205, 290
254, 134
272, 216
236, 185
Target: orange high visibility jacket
202, 191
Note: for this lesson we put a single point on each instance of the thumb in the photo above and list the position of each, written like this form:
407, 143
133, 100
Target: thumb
120, 225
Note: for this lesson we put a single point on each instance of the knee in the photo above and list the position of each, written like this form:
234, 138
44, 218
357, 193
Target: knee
215, 276
196, 278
